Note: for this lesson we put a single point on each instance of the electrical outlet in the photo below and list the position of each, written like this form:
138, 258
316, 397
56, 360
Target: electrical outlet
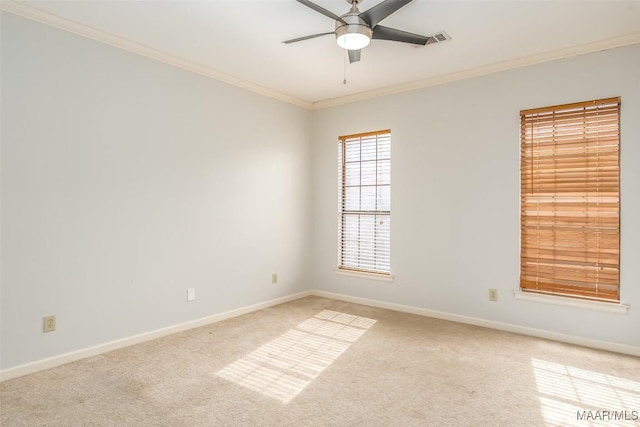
274, 277
49, 324
191, 294
493, 295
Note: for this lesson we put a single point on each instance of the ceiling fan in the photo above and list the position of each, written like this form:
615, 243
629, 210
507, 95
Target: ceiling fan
354, 30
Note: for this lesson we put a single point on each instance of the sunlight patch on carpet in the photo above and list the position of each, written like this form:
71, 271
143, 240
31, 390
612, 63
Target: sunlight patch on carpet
282, 368
572, 396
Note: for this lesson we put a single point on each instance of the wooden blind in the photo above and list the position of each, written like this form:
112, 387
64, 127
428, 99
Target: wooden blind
364, 200
570, 200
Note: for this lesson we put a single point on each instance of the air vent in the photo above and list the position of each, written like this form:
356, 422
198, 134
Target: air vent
438, 37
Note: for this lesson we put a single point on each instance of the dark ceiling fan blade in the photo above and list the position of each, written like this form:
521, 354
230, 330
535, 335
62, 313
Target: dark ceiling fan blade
322, 10
392, 34
354, 56
312, 36
380, 11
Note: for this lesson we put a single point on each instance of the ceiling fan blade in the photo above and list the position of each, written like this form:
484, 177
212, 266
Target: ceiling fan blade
354, 56
380, 11
312, 36
394, 35
322, 10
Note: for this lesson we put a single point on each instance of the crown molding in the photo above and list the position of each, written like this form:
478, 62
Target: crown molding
626, 40
29, 12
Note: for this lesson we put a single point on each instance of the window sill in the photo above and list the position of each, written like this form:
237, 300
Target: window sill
607, 307
364, 275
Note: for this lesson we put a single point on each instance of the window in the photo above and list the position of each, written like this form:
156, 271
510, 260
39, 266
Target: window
570, 200
365, 207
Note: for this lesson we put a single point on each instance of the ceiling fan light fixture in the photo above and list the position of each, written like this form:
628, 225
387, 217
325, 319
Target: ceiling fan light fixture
356, 34
353, 40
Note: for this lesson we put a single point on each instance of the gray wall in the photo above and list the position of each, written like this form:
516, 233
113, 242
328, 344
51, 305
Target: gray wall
455, 192
125, 181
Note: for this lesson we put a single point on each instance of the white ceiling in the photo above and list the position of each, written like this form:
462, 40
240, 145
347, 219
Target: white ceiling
242, 38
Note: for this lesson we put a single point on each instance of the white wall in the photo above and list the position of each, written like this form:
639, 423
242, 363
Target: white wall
455, 192
125, 181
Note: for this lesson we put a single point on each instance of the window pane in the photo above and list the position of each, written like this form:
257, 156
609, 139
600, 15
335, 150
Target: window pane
368, 198
349, 244
352, 152
383, 199
368, 173
351, 227
367, 241
368, 149
383, 234
384, 150
384, 172
353, 173
352, 202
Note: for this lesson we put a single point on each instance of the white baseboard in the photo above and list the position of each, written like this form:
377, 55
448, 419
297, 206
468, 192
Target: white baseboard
40, 365
540, 333
73, 356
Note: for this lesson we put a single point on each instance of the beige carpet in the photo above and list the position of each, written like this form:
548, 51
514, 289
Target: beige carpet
320, 362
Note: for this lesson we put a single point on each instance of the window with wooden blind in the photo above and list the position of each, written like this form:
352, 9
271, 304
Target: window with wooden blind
570, 200
364, 177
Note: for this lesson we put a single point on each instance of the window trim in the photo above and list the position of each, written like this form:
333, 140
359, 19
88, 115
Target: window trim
606, 307
349, 270
554, 287
383, 277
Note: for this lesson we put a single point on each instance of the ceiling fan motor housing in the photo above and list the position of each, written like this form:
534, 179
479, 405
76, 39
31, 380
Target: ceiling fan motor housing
356, 26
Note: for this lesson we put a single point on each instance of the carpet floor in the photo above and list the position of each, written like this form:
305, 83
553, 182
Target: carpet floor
321, 362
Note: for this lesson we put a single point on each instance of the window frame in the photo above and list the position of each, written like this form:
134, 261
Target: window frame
376, 263
571, 208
